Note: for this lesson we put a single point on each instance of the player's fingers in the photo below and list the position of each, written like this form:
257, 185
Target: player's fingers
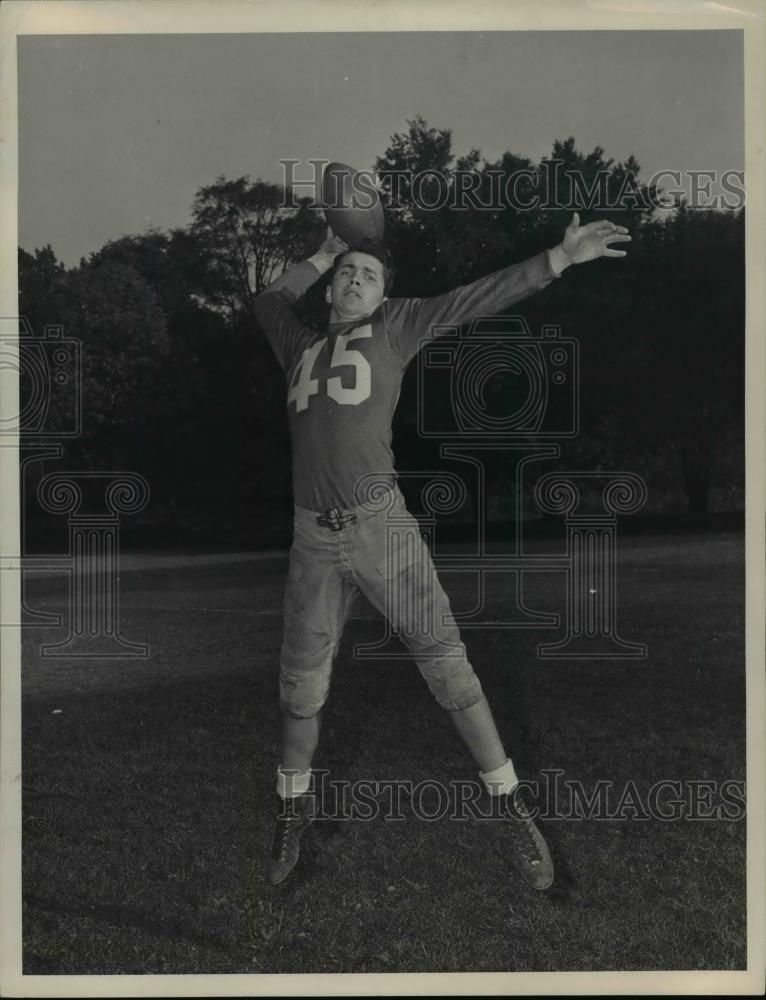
611, 227
615, 253
333, 238
617, 238
599, 227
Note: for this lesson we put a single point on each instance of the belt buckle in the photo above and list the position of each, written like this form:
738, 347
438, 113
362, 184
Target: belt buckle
334, 519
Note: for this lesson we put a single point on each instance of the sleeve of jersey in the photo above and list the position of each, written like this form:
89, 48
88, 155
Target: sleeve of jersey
273, 309
411, 321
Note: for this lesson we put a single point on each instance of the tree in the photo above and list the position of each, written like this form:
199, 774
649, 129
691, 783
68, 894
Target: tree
42, 288
248, 237
694, 356
122, 326
661, 333
173, 265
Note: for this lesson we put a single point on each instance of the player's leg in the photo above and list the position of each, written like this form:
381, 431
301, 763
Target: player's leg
316, 612
477, 729
300, 738
396, 572
317, 603
401, 581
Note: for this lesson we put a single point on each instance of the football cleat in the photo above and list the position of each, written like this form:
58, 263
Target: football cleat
528, 848
294, 815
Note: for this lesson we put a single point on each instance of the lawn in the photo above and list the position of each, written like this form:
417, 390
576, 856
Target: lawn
148, 786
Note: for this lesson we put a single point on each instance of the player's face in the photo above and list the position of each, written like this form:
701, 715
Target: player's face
358, 286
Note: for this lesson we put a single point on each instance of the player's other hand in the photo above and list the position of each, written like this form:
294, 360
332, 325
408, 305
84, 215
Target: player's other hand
332, 244
324, 259
594, 240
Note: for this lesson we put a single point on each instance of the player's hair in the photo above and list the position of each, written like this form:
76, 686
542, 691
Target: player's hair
376, 249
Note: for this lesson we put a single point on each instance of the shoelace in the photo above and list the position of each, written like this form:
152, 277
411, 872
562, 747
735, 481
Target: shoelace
283, 827
527, 846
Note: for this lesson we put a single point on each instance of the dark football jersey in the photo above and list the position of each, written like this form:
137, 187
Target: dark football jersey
343, 385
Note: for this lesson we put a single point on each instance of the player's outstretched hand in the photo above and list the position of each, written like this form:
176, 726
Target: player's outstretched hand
594, 240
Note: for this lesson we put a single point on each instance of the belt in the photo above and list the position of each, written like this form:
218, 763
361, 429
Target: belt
337, 518
334, 519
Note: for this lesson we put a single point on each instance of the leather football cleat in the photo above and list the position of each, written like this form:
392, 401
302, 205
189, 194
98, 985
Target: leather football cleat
294, 815
528, 848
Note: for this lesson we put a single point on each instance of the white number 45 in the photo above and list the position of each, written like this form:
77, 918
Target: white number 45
304, 386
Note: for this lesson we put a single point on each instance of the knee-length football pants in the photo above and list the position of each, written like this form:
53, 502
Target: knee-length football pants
382, 554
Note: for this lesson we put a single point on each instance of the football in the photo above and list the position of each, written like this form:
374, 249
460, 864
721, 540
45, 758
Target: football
351, 203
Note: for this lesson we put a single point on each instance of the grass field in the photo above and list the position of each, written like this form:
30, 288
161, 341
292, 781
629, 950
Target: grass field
148, 786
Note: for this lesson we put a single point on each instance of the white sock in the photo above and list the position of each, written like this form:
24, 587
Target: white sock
502, 780
292, 783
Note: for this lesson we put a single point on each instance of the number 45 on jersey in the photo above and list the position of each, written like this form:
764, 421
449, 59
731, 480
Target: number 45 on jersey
303, 386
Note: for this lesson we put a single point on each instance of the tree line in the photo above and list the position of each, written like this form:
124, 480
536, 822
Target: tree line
180, 385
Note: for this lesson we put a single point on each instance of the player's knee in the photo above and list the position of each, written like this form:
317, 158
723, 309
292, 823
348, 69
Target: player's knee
304, 681
461, 694
296, 709
302, 698
428, 642
453, 683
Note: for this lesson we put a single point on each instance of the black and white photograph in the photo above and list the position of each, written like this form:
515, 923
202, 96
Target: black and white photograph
382, 525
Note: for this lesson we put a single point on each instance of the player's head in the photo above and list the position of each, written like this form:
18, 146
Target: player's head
361, 278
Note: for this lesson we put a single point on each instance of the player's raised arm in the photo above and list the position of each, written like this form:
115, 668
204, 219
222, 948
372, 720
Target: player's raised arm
273, 307
410, 321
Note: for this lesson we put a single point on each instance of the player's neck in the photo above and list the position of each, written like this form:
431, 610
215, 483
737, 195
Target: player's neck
336, 319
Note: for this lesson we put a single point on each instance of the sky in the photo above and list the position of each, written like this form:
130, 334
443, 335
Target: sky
118, 132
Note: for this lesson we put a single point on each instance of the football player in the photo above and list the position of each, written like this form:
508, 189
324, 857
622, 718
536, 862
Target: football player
352, 531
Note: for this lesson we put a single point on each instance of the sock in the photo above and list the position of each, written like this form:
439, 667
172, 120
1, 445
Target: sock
502, 780
291, 783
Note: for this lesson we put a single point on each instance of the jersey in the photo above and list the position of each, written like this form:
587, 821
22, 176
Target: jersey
343, 385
